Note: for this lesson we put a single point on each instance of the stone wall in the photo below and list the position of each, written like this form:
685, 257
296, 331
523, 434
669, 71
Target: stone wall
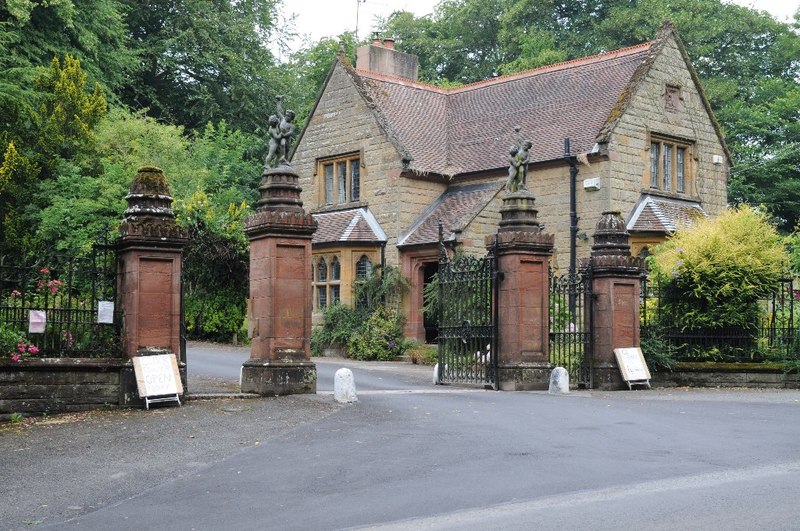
550, 186
57, 385
752, 375
341, 124
629, 144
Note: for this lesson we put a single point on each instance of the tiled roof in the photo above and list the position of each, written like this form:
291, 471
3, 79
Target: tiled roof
473, 125
455, 208
659, 214
348, 226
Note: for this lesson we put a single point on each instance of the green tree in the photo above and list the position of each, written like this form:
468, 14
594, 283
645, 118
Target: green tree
57, 138
204, 61
309, 68
32, 32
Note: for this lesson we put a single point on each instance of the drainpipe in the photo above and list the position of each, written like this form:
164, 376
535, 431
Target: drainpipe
573, 220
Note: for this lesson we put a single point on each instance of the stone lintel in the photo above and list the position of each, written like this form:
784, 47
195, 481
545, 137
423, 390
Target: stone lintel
525, 377
279, 223
271, 378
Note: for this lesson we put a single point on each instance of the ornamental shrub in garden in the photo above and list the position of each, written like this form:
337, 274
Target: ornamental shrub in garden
713, 274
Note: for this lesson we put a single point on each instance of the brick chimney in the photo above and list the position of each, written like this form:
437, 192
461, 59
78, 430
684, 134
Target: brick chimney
382, 58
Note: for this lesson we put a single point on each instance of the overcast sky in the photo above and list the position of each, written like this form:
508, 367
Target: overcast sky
329, 18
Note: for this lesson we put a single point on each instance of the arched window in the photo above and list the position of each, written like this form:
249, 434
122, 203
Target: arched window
363, 272
336, 273
363, 268
326, 274
322, 287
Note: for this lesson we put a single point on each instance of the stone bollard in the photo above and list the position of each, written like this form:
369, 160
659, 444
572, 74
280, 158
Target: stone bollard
344, 387
559, 381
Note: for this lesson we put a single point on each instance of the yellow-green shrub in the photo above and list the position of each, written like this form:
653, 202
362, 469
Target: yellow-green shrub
713, 274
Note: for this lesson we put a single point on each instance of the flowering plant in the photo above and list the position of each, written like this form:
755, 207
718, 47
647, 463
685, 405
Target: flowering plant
15, 345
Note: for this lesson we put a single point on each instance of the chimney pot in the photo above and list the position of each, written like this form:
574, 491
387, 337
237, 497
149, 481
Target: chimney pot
388, 42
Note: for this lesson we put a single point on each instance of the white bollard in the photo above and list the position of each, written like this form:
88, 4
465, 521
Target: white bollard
436, 374
559, 381
344, 387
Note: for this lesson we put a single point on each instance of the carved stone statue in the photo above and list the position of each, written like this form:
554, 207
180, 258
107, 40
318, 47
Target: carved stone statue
274, 132
287, 127
281, 131
519, 155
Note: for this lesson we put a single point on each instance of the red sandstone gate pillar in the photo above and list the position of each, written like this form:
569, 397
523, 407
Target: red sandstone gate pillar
615, 285
523, 253
279, 308
149, 279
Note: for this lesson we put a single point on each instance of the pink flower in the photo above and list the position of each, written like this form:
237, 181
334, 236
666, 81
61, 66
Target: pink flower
44, 270
16, 357
33, 349
16, 293
21, 348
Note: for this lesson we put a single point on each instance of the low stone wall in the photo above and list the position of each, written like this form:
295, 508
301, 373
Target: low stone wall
57, 385
757, 375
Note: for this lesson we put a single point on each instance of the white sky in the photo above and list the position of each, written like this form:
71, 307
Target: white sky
329, 18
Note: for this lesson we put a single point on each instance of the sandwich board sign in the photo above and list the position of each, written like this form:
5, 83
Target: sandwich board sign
632, 366
157, 378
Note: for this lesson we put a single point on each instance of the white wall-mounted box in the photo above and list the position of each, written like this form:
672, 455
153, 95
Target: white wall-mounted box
592, 184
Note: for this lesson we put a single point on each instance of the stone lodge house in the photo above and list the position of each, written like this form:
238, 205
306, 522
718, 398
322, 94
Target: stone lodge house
384, 158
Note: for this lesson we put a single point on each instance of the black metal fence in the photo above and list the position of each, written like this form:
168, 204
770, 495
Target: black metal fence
773, 336
468, 320
571, 326
63, 306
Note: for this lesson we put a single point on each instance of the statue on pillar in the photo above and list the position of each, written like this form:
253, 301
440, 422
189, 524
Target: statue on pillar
281, 130
519, 155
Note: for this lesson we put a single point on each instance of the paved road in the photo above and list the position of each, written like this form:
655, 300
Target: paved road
217, 368
410, 455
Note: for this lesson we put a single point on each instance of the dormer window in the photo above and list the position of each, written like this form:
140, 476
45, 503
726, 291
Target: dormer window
341, 180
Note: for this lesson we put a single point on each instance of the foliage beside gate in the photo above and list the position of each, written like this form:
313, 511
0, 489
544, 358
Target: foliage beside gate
570, 325
717, 291
68, 290
467, 320
772, 335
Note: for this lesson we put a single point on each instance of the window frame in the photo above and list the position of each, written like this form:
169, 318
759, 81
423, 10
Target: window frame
669, 167
326, 281
340, 179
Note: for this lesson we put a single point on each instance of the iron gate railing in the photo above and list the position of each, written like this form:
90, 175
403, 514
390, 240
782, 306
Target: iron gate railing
467, 340
571, 344
773, 335
68, 293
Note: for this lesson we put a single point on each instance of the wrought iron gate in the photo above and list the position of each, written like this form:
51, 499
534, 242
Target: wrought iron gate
467, 339
571, 344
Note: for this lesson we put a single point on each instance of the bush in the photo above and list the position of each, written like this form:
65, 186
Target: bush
339, 323
423, 354
712, 275
380, 337
376, 314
